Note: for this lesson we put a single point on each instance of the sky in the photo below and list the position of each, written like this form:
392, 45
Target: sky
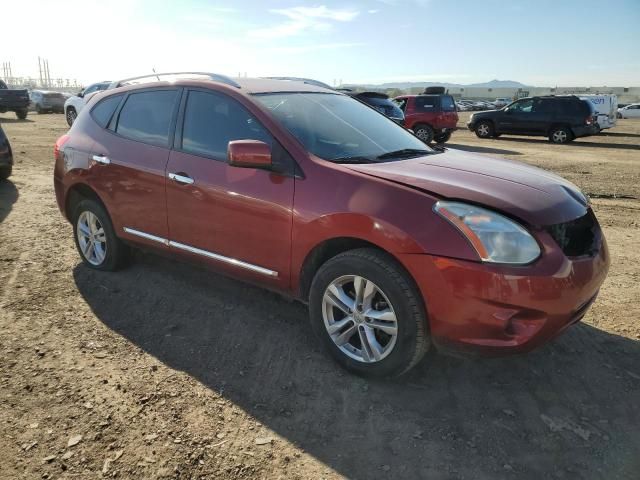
536, 42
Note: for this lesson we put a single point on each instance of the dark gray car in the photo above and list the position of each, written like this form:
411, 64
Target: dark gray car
45, 101
6, 156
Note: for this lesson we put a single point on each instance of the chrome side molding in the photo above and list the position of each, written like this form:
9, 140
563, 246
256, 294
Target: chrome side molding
148, 236
222, 258
204, 253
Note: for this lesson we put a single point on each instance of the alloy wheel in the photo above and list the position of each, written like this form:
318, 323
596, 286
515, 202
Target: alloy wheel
560, 136
359, 318
91, 238
483, 130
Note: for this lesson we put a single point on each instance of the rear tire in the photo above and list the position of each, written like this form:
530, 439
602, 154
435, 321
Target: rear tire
5, 172
443, 137
484, 129
560, 135
71, 116
390, 302
424, 133
95, 238
21, 114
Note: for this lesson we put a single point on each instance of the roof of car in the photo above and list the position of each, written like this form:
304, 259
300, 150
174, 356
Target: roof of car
244, 85
268, 85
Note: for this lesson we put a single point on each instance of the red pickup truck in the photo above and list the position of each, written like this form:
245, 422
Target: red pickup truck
431, 117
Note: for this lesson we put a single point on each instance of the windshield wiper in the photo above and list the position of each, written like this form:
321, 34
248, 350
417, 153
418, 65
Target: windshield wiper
355, 159
405, 152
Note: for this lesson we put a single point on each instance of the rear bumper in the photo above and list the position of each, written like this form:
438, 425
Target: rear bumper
495, 310
585, 130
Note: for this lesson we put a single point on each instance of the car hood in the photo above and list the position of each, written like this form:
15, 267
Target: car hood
535, 196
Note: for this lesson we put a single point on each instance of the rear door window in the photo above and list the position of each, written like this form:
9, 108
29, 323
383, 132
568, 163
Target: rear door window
212, 120
401, 103
427, 104
104, 110
146, 116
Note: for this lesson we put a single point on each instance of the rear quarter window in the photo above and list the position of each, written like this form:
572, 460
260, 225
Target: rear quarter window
448, 105
146, 116
104, 110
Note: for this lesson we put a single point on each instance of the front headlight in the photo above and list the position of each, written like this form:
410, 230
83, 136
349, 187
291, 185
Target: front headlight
496, 238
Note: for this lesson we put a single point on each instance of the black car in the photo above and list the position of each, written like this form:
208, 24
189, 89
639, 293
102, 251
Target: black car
380, 102
6, 157
12, 100
561, 118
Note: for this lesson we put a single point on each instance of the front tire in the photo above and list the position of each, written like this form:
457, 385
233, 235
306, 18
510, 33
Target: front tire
5, 172
424, 133
95, 239
484, 129
21, 114
443, 137
368, 313
71, 116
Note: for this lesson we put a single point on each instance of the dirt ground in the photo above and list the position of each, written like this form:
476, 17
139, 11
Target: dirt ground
167, 371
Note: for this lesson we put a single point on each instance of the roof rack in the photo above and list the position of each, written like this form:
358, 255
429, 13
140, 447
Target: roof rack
310, 81
156, 77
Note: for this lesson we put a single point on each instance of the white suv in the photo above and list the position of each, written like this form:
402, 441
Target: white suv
630, 111
74, 104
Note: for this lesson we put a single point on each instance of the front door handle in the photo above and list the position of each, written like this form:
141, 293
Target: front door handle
101, 159
181, 178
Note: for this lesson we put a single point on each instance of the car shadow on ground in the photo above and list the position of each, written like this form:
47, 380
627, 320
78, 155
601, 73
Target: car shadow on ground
568, 410
579, 142
8, 196
619, 134
477, 149
15, 120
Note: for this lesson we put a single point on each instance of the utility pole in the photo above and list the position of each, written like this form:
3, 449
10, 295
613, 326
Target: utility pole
40, 70
48, 75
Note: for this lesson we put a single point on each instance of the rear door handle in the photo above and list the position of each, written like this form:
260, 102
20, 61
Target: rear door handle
101, 159
181, 178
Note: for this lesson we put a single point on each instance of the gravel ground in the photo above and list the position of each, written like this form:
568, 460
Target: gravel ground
165, 370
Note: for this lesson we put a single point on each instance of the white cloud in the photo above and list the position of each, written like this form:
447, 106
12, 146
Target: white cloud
313, 48
302, 19
372, 11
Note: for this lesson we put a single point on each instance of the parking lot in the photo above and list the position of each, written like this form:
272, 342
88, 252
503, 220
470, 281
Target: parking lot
164, 370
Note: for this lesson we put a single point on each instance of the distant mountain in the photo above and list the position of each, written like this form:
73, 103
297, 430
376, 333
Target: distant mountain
407, 85
498, 84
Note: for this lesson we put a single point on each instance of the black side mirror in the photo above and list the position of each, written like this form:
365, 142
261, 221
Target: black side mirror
80, 94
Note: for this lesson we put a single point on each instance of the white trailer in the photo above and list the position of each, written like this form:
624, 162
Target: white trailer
606, 106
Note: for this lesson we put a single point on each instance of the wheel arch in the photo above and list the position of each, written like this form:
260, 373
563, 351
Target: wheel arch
326, 250
78, 192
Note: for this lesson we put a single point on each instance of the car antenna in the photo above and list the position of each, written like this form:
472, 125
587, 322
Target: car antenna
154, 71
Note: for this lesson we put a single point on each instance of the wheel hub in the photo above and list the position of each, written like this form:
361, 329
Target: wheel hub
359, 318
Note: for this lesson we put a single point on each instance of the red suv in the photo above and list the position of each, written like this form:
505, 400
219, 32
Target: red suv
307, 191
431, 117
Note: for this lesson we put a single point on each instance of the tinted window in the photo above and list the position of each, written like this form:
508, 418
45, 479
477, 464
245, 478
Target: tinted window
547, 106
211, 121
146, 116
448, 105
427, 104
103, 111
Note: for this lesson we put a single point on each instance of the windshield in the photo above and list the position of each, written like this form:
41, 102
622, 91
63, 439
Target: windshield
337, 127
